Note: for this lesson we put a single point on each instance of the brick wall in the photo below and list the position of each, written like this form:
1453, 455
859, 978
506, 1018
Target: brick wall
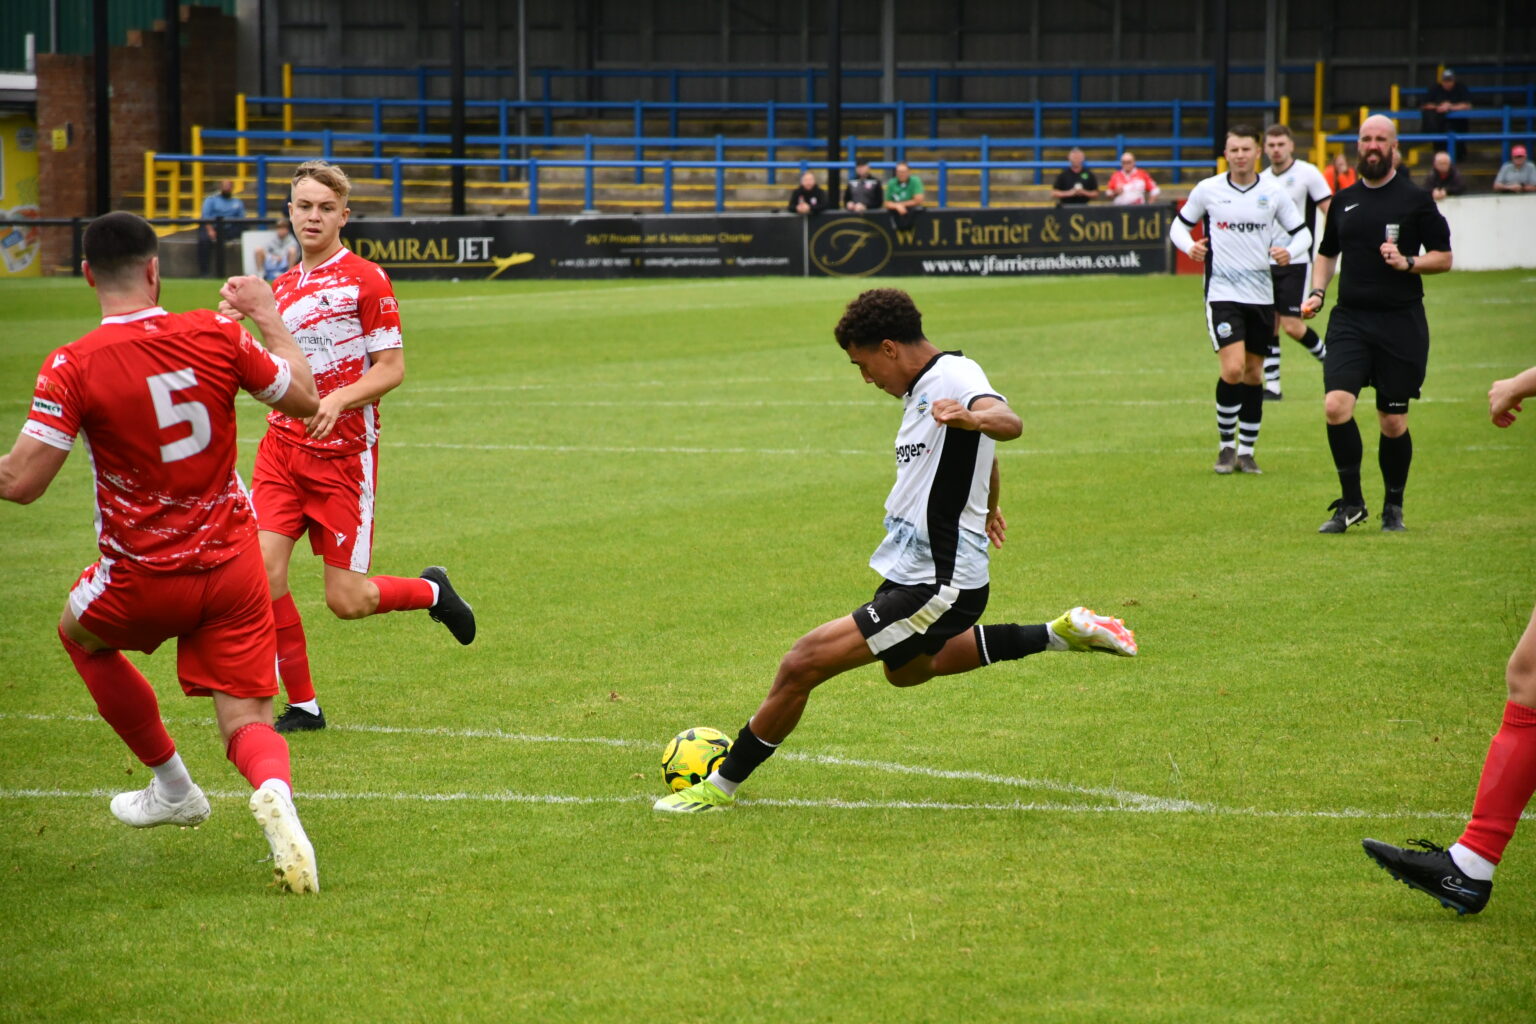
66, 97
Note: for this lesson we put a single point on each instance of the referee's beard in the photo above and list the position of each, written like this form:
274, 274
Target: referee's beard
1374, 166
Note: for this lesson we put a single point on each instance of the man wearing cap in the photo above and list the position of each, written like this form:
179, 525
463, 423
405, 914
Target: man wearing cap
1440, 99
1519, 175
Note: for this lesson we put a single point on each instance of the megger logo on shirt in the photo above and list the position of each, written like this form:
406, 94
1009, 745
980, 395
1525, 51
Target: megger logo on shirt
47, 408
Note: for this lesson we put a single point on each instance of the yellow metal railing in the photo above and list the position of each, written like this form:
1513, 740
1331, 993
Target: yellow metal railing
1319, 135
287, 95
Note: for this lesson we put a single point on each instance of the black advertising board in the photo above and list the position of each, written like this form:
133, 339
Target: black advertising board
508, 249
1081, 240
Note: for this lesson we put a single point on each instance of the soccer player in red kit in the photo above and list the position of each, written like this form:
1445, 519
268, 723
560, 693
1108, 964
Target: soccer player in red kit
152, 395
318, 474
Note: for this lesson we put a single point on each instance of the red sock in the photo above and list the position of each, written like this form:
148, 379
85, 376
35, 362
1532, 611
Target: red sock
292, 651
125, 699
260, 753
401, 593
1509, 779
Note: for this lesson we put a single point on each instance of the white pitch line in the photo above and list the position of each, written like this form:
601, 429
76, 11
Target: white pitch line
1127, 802
1016, 806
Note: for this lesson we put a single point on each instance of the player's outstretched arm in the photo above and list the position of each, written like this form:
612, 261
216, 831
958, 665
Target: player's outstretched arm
28, 469
252, 298
1506, 396
989, 415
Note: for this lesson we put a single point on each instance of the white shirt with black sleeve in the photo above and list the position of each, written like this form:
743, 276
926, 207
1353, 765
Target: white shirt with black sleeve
936, 513
1240, 225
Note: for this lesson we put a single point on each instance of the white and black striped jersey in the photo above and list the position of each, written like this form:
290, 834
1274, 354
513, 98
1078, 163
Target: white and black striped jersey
936, 514
1306, 186
1240, 225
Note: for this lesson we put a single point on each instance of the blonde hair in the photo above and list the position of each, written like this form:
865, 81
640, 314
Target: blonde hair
329, 175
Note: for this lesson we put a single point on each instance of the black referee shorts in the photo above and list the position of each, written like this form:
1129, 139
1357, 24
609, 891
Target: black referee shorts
1233, 322
1290, 284
904, 620
1387, 349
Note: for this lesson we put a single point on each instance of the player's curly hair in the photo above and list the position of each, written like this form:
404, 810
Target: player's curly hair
329, 175
117, 243
878, 314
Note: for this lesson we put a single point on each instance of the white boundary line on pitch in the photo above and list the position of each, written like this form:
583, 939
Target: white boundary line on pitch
1128, 802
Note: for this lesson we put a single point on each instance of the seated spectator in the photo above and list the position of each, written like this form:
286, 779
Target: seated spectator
1339, 174
1444, 179
1440, 99
1076, 184
1519, 175
863, 192
809, 198
1130, 185
282, 252
904, 195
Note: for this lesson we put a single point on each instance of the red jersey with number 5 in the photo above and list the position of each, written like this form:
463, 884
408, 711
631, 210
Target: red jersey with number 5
152, 394
340, 313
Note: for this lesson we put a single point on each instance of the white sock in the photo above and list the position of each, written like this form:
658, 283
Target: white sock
312, 705
725, 784
1472, 863
1054, 642
279, 785
174, 779
437, 592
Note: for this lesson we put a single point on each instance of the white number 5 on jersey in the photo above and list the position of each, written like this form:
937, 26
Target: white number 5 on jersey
162, 388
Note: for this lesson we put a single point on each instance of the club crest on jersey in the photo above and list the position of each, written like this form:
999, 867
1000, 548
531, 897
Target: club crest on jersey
922, 403
1263, 202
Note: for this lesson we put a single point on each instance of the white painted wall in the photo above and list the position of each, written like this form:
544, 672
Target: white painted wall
1492, 232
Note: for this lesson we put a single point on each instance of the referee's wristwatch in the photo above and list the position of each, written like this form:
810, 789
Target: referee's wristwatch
1409, 267
1321, 295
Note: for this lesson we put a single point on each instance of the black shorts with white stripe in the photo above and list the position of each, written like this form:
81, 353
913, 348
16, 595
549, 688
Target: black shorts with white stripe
1290, 283
1234, 322
904, 620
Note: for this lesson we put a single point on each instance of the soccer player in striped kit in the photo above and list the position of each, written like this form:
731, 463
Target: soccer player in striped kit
1243, 214
940, 516
318, 474
1308, 189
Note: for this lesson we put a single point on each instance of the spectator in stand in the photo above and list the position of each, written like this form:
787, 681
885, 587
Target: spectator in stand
275, 258
1339, 174
1444, 179
220, 204
1076, 184
863, 192
810, 198
1519, 175
904, 196
1130, 185
1440, 99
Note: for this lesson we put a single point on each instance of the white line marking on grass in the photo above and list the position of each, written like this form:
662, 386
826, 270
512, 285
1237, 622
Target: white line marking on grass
1049, 807
1126, 801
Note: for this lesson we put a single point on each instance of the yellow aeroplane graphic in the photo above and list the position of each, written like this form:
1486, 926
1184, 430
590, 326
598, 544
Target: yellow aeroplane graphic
504, 262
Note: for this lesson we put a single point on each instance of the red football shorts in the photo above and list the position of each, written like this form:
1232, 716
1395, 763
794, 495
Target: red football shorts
221, 619
294, 491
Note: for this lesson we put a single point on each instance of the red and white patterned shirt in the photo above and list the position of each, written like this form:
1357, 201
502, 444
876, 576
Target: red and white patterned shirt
1135, 188
340, 313
152, 395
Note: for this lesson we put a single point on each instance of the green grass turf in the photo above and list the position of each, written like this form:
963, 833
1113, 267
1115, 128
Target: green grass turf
649, 490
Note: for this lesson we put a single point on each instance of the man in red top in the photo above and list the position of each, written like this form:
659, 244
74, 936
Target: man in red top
318, 473
153, 394
1130, 185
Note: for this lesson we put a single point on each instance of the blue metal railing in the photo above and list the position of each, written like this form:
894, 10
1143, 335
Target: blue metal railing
668, 168
1506, 136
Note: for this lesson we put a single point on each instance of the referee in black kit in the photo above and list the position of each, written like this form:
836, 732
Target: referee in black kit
1377, 334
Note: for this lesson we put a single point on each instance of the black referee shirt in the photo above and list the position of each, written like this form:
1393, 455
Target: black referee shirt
1357, 225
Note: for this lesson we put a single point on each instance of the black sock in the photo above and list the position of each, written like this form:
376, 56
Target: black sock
1009, 642
746, 754
1394, 457
1250, 416
1344, 441
1229, 399
1312, 343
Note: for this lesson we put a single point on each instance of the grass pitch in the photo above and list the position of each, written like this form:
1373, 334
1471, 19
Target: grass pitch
649, 490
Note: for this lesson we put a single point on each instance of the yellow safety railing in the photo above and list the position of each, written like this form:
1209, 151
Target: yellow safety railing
1285, 111
149, 184
242, 144
287, 95
197, 165
1319, 135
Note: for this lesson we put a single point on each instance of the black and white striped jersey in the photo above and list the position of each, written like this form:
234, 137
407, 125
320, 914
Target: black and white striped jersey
1241, 223
1306, 186
937, 511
